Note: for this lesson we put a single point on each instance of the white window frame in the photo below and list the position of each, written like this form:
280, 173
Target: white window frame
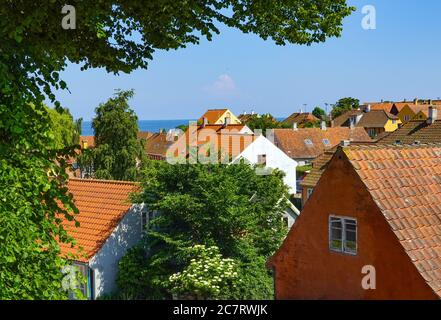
260, 157
343, 249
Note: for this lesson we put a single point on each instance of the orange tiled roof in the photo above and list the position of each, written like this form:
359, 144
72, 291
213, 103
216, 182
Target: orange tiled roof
144, 135
212, 115
405, 183
300, 118
89, 140
101, 204
157, 145
293, 143
228, 139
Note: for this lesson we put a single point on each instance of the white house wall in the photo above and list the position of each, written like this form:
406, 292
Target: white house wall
105, 263
275, 158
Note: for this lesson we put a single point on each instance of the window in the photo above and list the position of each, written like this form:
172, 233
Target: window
343, 235
144, 220
406, 118
308, 142
372, 133
326, 142
394, 121
261, 159
309, 192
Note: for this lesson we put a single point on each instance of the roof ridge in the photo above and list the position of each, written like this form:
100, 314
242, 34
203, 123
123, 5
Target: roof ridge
134, 183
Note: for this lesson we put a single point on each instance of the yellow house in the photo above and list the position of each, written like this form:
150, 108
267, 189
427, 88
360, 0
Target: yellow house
375, 122
413, 111
219, 116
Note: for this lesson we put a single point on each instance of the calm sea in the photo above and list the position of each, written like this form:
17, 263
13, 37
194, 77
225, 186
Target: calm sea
144, 125
149, 125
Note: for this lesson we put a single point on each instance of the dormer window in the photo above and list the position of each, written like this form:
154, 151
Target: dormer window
326, 143
308, 142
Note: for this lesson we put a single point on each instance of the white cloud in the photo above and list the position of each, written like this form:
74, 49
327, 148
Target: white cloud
224, 85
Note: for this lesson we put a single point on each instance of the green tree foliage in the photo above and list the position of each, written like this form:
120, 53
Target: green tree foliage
35, 49
117, 148
343, 105
227, 206
319, 113
64, 128
264, 122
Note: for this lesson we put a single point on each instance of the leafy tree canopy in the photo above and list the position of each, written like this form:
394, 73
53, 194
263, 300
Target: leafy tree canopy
117, 147
343, 105
318, 112
64, 129
117, 36
264, 122
227, 206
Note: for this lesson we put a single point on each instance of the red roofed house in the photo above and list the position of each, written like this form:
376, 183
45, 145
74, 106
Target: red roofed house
306, 144
371, 229
109, 225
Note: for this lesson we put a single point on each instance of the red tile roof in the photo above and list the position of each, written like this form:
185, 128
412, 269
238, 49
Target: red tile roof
157, 145
405, 183
101, 204
293, 142
228, 138
300, 118
89, 140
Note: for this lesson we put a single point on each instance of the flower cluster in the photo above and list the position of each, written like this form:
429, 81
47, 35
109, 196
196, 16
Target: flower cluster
206, 275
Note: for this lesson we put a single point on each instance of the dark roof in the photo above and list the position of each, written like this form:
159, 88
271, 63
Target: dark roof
318, 167
343, 119
375, 119
415, 131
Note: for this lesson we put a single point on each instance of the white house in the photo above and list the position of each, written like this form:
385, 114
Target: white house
109, 226
264, 152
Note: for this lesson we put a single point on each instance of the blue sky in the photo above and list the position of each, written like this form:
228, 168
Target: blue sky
400, 59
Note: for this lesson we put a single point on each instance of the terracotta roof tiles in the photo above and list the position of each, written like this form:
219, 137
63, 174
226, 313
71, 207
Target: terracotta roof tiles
404, 182
293, 142
101, 204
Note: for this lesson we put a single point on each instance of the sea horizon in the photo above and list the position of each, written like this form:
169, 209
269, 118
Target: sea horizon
147, 125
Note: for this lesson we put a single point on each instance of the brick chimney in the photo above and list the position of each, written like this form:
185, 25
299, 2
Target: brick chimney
433, 114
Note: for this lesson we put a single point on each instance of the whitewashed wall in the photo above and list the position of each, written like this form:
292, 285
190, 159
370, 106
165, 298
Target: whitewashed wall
275, 158
105, 263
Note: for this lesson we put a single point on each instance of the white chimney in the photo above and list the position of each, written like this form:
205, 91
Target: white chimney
345, 143
433, 115
323, 125
368, 108
294, 126
204, 122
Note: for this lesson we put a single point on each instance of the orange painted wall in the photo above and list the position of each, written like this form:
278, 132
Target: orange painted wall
304, 266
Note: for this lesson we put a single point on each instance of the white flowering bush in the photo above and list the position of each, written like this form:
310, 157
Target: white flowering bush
206, 276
